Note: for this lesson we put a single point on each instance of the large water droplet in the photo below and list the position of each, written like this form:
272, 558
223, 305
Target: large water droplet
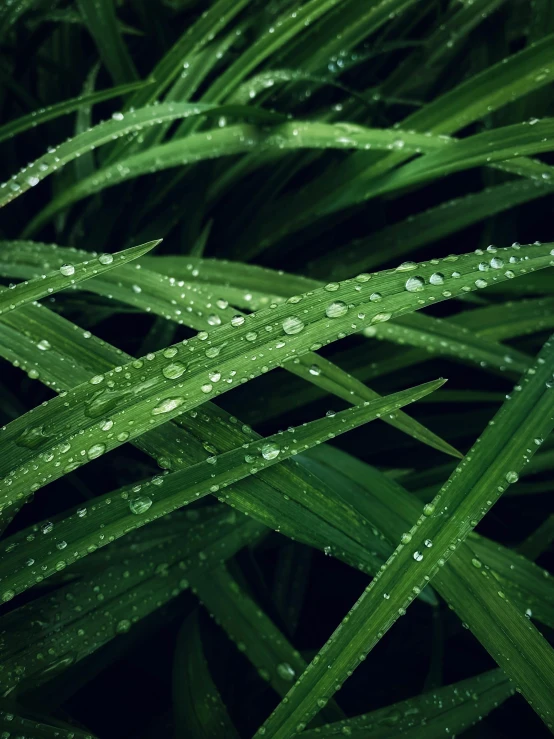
167, 405
174, 370
336, 309
32, 437
67, 270
140, 505
293, 325
415, 284
96, 450
270, 451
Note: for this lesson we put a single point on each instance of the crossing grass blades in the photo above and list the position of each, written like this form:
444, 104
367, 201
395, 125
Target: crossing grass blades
277, 385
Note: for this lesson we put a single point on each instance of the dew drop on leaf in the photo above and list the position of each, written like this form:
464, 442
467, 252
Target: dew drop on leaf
174, 370
270, 451
415, 284
167, 405
336, 309
293, 325
140, 505
285, 671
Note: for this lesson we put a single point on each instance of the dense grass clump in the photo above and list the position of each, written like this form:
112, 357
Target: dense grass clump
234, 232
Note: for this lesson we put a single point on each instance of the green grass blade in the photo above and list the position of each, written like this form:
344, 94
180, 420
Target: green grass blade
492, 146
186, 304
119, 512
254, 633
103, 133
389, 507
325, 522
478, 482
427, 227
211, 144
136, 584
16, 721
101, 21
475, 98
208, 25
50, 113
199, 710
539, 540
286, 27
451, 709
160, 387
67, 275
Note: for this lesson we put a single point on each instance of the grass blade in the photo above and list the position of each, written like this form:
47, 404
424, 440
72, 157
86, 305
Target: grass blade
66, 276
50, 113
451, 709
101, 21
198, 707
491, 466
152, 391
120, 512
127, 589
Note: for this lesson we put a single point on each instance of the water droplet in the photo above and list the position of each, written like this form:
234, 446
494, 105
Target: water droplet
167, 405
67, 270
174, 370
237, 320
47, 527
96, 450
123, 626
314, 370
105, 259
437, 278
140, 505
285, 671
32, 437
336, 309
44, 345
415, 284
512, 476
270, 451
418, 556
292, 325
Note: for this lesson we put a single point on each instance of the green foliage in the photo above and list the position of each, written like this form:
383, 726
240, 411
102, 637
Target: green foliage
324, 194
